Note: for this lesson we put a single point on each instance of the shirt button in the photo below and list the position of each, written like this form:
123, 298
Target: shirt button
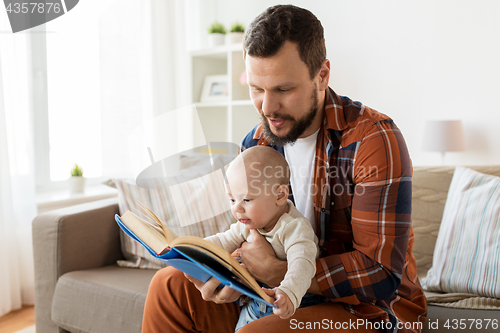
333, 203
322, 210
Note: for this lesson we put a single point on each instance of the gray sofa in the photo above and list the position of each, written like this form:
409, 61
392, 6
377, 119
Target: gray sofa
79, 287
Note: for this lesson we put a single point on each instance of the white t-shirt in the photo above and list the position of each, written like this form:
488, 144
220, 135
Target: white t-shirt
300, 157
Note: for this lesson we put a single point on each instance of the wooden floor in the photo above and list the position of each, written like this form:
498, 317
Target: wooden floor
17, 320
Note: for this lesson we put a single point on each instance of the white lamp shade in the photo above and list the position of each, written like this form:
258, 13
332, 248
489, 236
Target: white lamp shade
443, 136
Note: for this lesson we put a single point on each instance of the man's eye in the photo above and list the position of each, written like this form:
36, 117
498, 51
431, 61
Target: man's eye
247, 200
283, 90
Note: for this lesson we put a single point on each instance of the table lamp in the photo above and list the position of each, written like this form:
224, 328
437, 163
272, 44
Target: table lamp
443, 136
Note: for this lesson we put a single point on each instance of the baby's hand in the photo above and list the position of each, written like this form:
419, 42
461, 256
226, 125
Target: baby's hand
285, 307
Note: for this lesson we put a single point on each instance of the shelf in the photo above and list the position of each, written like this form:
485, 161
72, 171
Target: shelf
229, 119
211, 104
244, 102
218, 51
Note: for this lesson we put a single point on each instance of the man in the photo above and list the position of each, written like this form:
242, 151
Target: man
351, 176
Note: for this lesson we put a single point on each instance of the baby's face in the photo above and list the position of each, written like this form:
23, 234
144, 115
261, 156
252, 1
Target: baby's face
253, 198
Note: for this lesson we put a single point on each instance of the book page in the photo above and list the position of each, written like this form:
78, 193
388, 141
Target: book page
168, 233
149, 234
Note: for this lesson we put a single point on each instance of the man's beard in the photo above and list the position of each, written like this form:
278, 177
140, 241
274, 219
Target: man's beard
298, 126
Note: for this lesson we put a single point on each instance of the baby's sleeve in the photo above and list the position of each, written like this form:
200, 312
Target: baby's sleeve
301, 247
230, 239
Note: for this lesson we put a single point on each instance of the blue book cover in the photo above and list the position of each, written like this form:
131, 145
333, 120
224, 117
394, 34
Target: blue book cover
199, 263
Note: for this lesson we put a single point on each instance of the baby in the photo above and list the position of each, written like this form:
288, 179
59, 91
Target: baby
257, 185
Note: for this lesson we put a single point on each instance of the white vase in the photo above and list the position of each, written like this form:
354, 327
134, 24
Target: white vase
215, 39
76, 184
234, 37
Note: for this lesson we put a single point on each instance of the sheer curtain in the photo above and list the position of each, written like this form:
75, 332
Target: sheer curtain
144, 73
17, 186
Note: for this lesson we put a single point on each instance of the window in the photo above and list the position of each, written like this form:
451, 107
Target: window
74, 104
97, 77
86, 92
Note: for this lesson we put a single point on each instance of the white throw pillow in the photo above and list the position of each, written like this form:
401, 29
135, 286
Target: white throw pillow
467, 253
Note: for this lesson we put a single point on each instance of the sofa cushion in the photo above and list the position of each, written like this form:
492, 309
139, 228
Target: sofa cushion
463, 301
108, 299
429, 190
475, 321
467, 258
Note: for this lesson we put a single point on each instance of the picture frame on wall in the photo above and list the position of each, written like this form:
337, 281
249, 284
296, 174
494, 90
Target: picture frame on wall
215, 88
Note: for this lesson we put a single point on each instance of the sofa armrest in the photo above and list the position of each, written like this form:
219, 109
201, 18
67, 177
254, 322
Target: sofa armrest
74, 238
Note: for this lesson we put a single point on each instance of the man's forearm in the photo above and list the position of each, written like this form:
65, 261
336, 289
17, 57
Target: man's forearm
314, 288
261, 262
277, 274
274, 272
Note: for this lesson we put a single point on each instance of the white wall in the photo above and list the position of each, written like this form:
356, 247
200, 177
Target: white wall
413, 60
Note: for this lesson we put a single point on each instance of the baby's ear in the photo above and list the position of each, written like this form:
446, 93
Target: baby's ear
281, 195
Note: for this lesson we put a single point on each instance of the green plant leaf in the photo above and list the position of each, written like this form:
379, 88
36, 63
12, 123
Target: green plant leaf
76, 171
237, 27
217, 27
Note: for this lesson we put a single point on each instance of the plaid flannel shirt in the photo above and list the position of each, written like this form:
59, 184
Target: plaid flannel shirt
362, 205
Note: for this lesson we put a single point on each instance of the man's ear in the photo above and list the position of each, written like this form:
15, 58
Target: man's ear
281, 195
324, 75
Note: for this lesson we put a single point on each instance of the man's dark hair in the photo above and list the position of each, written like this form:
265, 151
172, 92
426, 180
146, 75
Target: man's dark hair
268, 32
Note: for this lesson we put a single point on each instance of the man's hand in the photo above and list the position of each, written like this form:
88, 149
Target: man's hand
210, 292
285, 307
260, 260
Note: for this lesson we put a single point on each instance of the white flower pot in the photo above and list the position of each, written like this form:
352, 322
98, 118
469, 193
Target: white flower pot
215, 39
76, 184
234, 37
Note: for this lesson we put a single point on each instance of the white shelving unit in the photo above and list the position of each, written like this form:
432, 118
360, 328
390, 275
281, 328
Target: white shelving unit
227, 120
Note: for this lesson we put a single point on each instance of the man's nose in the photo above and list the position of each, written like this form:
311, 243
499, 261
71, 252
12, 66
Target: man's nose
270, 105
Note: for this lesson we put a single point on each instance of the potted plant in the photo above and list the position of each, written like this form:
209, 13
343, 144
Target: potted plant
216, 34
76, 181
236, 34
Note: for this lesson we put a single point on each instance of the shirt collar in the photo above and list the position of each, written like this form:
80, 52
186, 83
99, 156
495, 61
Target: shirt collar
334, 111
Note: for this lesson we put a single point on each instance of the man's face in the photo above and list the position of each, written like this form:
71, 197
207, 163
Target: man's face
284, 95
298, 126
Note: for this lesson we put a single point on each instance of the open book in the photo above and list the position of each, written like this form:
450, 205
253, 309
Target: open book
194, 256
